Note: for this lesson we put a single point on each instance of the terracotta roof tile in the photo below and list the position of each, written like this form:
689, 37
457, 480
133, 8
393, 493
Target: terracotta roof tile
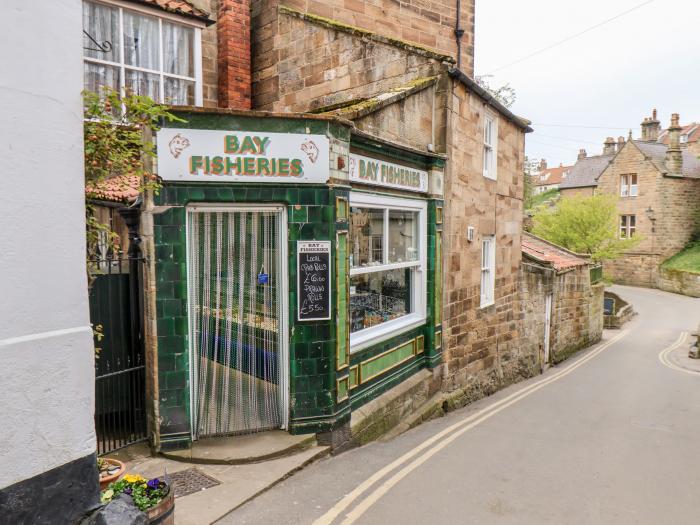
178, 7
123, 188
550, 176
551, 254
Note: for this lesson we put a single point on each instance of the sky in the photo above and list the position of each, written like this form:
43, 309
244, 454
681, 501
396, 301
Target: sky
600, 84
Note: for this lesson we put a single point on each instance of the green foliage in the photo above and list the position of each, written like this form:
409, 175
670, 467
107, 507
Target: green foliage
541, 198
505, 94
585, 225
687, 260
146, 494
117, 143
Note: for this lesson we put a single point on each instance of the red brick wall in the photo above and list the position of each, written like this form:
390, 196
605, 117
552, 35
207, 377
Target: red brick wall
233, 32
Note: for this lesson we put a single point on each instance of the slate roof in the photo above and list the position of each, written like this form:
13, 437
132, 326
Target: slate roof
586, 171
657, 153
692, 130
551, 176
123, 188
550, 254
178, 7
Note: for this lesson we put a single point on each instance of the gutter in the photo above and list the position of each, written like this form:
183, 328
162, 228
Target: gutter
519, 122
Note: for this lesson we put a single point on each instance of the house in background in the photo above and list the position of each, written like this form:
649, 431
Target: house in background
583, 176
545, 179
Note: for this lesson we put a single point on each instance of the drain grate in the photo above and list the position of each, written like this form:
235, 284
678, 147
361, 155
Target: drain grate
190, 481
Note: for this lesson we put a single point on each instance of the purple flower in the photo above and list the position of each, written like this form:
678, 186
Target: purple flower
127, 491
153, 484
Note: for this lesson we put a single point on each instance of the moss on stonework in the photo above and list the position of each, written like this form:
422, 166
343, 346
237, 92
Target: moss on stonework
357, 31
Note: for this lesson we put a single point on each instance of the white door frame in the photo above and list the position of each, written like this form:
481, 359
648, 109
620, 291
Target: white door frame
283, 265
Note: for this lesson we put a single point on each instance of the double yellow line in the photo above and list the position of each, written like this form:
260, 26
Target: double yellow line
439, 441
666, 361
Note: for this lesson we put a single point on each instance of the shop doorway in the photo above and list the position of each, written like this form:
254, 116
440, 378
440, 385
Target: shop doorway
237, 289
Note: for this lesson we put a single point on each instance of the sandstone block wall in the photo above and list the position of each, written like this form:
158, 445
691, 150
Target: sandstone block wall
576, 192
210, 53
675, 281
428, 23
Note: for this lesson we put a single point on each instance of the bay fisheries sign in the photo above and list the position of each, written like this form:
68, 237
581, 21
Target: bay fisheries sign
200, 155
377, 172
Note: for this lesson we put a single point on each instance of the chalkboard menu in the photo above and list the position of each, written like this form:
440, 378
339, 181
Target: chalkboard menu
314, 280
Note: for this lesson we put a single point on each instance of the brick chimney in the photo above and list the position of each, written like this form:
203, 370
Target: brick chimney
651, 127
582, 154
609, 146
233, 34
674, 155
543, 165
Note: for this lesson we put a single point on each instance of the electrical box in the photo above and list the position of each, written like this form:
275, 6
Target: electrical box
470, 233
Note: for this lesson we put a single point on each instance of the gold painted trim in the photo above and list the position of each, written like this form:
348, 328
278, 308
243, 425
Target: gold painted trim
420, 345
363, 380
345, 286
438, 282
438, 339
345, 379
438, 214
354, 370
342, 217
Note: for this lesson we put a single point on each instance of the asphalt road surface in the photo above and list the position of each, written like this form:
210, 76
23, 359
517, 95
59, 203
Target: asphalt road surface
610, 436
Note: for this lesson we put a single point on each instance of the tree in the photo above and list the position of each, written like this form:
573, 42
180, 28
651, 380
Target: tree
505, 94
585, 225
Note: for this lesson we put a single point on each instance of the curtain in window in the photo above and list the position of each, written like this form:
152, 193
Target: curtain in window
179, 92
101, 22
141, 41
178, 50
144, 84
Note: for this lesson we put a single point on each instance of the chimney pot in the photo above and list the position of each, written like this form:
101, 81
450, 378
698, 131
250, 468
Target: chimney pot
582, 154
609, 146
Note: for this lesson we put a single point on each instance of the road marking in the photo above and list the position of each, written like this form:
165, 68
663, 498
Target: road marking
467, 423
666, 361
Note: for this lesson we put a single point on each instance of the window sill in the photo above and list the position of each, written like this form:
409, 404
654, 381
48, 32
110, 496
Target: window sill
378, 334
486, 305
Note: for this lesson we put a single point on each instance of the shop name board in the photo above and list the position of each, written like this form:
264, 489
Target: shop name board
198, 155
314, 280
381, 173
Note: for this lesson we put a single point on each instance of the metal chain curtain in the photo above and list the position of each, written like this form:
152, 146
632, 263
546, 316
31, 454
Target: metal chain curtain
235, 309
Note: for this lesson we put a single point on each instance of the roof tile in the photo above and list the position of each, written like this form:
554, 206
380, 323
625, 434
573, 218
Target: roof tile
551, 254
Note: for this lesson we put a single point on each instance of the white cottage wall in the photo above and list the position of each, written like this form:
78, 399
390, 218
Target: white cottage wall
46, 350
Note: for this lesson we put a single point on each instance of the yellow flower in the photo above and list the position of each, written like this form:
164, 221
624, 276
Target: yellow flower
134, 478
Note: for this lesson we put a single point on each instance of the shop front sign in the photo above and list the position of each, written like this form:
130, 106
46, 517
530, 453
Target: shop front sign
377, 172
314, 280
196, 155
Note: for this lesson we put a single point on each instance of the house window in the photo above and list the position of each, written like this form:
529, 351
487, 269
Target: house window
628, 185
628, 225
388, 242
490, 146
141, 54
488, 270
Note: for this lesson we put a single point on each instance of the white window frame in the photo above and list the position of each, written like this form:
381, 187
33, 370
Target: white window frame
160, 16
370, 336
490, 163
627, 230
488, 271
627, 189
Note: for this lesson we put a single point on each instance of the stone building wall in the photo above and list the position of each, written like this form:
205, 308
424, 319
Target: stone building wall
317, 63
483, 350
577, 192
679, 203
535, 282
210, 74
634, 269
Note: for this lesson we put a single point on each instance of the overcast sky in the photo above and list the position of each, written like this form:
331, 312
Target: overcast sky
610, 77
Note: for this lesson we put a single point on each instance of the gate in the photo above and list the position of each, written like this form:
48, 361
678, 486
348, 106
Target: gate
237, 288
120, 372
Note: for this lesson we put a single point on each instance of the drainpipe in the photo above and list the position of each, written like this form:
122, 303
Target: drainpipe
459, 33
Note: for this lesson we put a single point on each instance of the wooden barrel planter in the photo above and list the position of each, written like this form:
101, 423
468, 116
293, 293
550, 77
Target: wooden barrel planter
164, 512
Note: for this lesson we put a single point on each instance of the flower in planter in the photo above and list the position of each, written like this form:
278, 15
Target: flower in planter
145, 493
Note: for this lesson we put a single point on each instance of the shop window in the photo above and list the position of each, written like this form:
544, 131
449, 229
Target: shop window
628, 226
387, 263
628, 185
488, 270
141, 54
490, 146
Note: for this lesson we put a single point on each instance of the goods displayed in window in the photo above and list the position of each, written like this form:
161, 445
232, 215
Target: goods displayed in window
384, 258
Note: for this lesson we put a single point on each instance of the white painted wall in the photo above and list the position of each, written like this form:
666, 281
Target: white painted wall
46, 355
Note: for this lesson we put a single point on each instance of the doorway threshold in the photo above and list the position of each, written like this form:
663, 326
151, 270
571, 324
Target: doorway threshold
242, 450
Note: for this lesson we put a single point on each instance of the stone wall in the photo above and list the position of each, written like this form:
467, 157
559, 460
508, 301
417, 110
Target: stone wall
577, 192
482, 344
425, 23
315, 63
535, 282
634, 269
210, 54
677, 281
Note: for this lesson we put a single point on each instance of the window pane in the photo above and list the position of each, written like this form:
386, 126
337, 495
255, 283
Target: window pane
366, 236
178, 50
144, 84
179, 92
141, 41
102, 23
403, 236
378, 297
98, 76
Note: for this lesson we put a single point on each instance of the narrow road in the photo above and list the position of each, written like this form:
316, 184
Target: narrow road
610, 436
